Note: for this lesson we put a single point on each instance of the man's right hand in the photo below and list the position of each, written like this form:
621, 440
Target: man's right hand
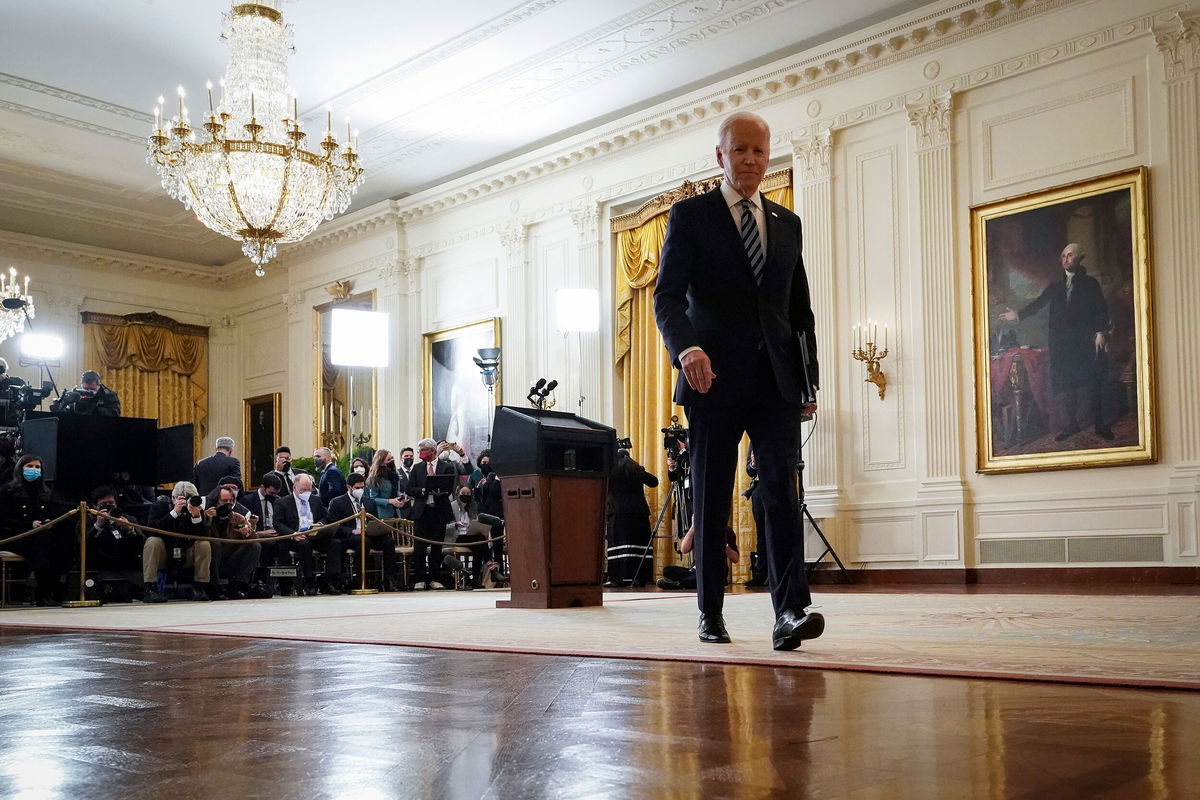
697, 368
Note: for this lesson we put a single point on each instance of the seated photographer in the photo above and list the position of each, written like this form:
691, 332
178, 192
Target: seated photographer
90, 399
235, 561
114, 548
677, 577
467, 527
182, 512
295, 515
348, 536
630, 559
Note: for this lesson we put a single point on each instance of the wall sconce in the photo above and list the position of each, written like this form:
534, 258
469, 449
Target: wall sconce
866, 352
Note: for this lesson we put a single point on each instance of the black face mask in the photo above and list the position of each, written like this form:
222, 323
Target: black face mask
408, 462
464, 498
485, 469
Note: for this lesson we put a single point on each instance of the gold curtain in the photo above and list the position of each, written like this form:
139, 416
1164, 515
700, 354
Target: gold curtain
648, 379
157, 366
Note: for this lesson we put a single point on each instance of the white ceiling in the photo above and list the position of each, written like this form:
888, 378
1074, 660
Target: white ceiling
437, 90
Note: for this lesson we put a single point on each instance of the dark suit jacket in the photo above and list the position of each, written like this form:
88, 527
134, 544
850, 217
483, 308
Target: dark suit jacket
440, 509
287, 515
627, 488
707, 297
254, 504
331, 484
341, 507
1072, 328
209, 471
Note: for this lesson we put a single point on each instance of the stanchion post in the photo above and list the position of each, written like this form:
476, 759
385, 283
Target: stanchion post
82, 602
362, 547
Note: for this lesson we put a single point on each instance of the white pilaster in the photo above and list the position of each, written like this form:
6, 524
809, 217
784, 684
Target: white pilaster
941, 497
298, 427
224, 370
1179, 43
588, 358
518, 361
813, 193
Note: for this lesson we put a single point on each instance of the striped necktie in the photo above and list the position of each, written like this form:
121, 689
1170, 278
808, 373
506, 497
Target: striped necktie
752, 242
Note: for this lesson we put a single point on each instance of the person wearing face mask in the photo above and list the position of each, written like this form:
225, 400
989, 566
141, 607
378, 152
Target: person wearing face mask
330, 481
295, 515
384, 496
466, 528
453, 453
25, 504
261, 507
407, 459
114, 548
477, 475
430, 513
237, 561
379, 536
283, 468
360, 466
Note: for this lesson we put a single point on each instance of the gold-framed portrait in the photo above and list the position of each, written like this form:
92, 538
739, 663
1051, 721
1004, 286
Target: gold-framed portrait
1063, 329
455, 403
261, 426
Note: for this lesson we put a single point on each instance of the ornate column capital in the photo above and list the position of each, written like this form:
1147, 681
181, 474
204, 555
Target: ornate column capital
587, 223
399, 275
933, 121
294, 303
513, 238
1179, 42
811, 156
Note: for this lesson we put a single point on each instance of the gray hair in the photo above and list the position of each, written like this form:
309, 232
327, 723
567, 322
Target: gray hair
1079, 251
185, 489
427, 443
224, 443
739, 116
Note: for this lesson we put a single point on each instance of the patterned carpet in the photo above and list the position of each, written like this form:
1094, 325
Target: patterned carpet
1115, 640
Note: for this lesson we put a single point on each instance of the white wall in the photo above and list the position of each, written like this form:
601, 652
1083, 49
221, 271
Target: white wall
1015, 96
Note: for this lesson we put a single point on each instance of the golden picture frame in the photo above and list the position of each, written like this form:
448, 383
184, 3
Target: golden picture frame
261, 426
454, 399
1064, 361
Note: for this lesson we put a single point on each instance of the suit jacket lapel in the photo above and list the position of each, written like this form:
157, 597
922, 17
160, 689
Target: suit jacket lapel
725, 227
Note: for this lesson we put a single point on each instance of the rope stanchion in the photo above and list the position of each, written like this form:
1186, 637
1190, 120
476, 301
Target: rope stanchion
82, 602
39, 528
363, 547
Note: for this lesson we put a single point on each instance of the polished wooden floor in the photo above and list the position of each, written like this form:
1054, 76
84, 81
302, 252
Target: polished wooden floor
115, 715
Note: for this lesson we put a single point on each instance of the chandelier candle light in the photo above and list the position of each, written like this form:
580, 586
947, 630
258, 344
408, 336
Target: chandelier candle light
247, 175
16, 303
867, 353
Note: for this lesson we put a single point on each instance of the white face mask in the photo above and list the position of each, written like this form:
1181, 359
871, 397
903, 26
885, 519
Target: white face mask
356, 494
304, 495
361, 470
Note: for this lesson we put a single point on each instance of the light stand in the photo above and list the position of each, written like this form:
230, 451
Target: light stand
37, 350
488, 362
358, 339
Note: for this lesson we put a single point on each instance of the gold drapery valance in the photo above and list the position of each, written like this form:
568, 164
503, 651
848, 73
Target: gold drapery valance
647, 376
157, 365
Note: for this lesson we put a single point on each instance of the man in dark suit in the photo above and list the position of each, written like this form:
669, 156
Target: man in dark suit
348, 535
733, 306
330, 481
430, 514
295, 514
630, 560
208, 472
260, 508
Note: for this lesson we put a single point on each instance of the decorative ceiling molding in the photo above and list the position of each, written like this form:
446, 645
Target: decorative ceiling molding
954, 24
71, 122
98, 258
435, 55
663, 202
73, 97
151, 318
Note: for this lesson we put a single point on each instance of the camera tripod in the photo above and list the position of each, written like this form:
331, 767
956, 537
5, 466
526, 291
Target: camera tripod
811, 566
678, 500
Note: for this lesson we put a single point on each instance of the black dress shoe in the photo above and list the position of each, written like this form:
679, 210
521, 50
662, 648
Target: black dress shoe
712, 629
793, 626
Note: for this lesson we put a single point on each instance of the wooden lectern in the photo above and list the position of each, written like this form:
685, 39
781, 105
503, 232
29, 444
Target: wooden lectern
554, 470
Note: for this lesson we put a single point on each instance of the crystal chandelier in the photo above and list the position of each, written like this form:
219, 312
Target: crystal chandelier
15, 303
247, 175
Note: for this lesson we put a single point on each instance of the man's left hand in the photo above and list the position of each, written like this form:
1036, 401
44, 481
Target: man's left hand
809, 408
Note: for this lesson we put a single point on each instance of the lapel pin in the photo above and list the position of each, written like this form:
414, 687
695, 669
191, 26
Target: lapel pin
773, 214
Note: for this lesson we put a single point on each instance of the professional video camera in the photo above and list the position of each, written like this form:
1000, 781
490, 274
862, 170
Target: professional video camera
27, 397
625, 443
674, 438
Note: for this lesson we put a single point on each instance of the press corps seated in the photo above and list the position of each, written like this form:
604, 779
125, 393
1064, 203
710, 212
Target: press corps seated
182, 512
295, 514
114, 547
348, 535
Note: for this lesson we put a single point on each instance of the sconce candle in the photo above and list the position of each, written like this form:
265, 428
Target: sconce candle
869, 354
